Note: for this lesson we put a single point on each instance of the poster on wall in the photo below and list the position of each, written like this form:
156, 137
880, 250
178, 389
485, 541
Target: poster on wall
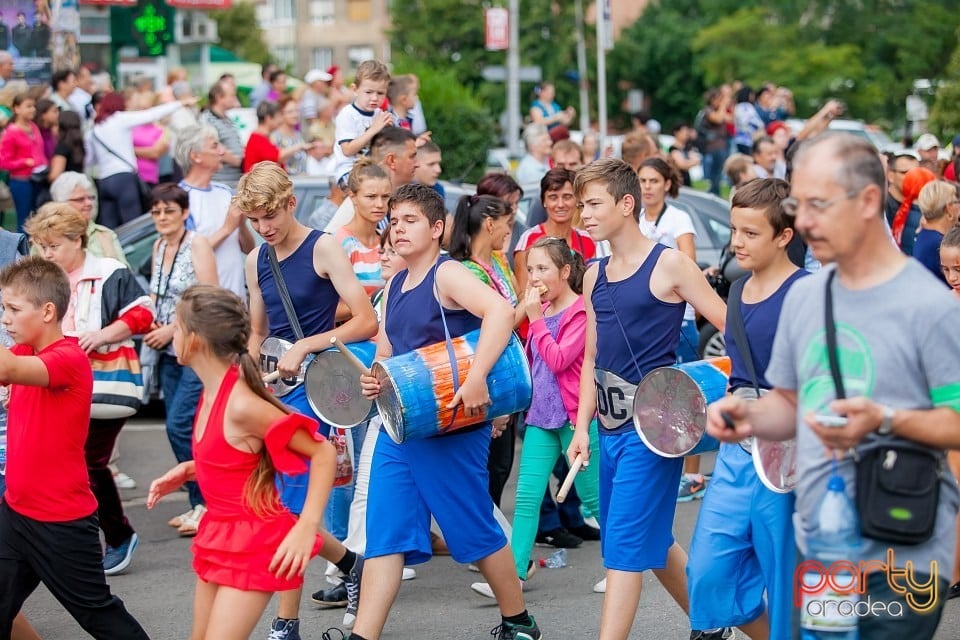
26, 33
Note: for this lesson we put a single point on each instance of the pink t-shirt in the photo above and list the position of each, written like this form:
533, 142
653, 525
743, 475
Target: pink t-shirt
146, 135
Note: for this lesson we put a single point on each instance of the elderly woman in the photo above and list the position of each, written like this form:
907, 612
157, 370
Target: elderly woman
106, 308
77, 190
180, 258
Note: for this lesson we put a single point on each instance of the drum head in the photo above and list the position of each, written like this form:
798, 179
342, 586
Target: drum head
271, 350
776, 464
389, 404
669, 412
333, 391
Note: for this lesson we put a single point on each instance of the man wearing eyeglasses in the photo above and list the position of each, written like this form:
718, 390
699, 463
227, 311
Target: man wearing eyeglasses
863, 341
896, 169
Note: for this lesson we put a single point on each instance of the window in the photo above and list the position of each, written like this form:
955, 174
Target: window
281, 11
286, 56
358, 54
322, 12
321, 58
359, 10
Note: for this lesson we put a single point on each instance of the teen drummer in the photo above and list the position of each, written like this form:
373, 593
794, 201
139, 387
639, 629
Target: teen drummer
318, 275
445, 476
743, 545
635, 301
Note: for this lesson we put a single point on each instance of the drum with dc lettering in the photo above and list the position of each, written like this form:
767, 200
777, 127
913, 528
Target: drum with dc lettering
670, 406
333, 386
272, 349
416, 388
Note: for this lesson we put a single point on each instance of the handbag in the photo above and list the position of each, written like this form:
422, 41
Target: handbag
117, 381
143, 189
898, 482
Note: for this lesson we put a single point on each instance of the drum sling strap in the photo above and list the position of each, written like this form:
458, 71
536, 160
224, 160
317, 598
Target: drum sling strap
451, 354
739, 330
284, 293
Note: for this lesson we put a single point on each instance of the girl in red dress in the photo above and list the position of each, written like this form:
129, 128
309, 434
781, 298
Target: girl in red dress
248, 545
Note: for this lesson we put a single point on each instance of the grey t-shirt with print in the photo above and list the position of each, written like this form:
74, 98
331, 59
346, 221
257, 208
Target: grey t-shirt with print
898, 345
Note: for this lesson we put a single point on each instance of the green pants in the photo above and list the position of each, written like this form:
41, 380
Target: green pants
541, 447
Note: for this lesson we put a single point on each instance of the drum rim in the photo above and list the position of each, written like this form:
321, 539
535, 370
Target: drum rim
762, 474
636, 414
317, 410
276, 389
396, 431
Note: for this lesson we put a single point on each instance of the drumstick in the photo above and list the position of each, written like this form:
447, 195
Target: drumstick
271, 377
351, 358
568, 481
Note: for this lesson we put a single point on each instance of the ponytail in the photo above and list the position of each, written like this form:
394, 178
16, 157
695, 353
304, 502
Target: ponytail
666, 169
562, 256
471, 212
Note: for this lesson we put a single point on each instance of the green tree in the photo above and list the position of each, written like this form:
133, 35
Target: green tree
240, 33
945, 116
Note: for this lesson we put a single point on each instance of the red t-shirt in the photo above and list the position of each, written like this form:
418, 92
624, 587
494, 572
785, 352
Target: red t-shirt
46, 431
579, 241
259, 148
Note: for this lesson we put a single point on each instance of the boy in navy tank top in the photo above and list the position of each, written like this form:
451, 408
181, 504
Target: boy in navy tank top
635, 301
445, 476
743, 542
318, 275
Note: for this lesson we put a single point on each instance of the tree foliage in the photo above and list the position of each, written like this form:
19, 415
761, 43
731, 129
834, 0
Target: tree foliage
240, 33
945, 115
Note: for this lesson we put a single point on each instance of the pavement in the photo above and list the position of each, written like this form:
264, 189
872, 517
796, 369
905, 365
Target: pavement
437, 605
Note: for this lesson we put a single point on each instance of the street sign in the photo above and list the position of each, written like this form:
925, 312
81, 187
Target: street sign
498, 73
497, 28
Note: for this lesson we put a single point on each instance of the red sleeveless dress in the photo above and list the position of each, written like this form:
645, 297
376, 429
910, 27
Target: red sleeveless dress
234, 546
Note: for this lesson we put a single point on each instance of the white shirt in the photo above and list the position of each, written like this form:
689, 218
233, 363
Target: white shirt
673, 224
350, 124
208, 211
531, 170
343, 216
115, 134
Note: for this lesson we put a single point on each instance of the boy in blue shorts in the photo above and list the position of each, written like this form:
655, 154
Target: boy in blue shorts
635, 301
317, 274
447, 475
743, 542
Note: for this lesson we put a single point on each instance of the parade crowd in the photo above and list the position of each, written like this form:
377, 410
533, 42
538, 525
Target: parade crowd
837, 336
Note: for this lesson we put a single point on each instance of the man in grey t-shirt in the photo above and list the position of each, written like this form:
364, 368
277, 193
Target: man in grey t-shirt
900, 363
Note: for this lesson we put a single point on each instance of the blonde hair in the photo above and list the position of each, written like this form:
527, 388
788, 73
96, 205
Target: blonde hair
266, 187
365, 169
934, 198
57, 219
372, 70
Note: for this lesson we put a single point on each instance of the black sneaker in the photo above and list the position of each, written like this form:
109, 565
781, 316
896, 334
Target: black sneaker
560, 538
510, 631
334, 598
953, 591
586, 532
727, 633
351, 582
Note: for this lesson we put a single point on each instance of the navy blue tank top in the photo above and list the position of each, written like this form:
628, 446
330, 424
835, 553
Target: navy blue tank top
651, 325
760, 322
413, 317
314, 297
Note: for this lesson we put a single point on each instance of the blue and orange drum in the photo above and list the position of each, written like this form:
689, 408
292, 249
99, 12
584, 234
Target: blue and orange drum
333, 386
670, 406
416, 388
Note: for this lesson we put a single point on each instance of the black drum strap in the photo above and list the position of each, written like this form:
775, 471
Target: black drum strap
451, 354
285, 294
739, 330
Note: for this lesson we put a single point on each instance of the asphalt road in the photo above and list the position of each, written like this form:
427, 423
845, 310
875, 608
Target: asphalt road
437, 605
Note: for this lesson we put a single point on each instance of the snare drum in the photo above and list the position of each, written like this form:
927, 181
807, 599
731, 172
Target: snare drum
271, 350
416, 388
670, 406
333, 386
776, 464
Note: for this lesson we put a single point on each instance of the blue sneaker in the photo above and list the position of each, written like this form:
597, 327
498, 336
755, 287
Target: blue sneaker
117, 559
509, 631
691, 487
284, 629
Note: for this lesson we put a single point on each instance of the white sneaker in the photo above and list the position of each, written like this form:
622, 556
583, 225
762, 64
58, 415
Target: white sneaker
474, 568
348, 620
483, 589
591, 522
600, 587
123, 481
409, 573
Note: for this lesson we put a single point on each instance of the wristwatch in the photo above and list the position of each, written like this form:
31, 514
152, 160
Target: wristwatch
886, 425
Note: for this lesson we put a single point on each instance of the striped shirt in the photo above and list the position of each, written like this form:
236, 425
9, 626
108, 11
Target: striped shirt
365, 260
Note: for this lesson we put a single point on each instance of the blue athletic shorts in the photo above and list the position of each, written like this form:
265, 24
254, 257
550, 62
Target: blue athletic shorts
742, 546
293, 489
638, 499
444, 476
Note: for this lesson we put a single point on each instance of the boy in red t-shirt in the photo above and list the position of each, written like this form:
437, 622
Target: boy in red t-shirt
48, 524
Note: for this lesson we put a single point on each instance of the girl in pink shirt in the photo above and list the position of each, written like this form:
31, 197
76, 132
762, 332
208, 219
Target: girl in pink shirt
21, 153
